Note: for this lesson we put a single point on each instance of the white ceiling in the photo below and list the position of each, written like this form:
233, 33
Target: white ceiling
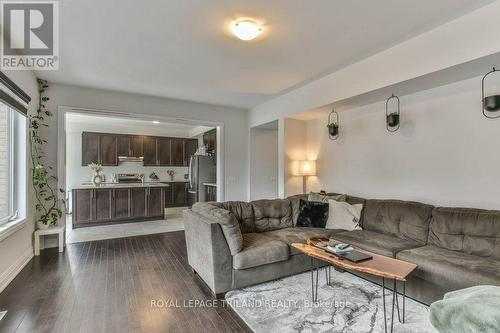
182, 49
77, 122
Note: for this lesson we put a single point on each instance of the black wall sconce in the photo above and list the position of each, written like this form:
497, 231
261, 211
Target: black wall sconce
392, 118
490, 103
333, 125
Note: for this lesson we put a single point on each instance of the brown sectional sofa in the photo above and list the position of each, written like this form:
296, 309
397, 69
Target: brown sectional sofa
235, 244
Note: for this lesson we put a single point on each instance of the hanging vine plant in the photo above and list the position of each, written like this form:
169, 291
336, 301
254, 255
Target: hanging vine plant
48, 205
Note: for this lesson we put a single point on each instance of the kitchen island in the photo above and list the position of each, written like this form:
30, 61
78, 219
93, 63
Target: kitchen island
113, 203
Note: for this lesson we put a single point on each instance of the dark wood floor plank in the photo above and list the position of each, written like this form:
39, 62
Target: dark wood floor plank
111, 286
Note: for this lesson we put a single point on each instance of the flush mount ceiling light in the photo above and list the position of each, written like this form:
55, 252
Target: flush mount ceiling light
156, 122
246, 29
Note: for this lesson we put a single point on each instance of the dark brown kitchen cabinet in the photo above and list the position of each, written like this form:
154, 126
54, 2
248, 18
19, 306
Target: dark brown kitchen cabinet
137, 202
105, 148
168, 196
136, 142
179, 193
121, 200
164, 151
210, 193
210, 140
102, 205
190, 147
149, 147
123, 145
177, 152
108, 150
90, 148
154, 202
130, 145
82, 206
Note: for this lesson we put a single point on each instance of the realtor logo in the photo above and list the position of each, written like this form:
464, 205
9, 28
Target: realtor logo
29, 35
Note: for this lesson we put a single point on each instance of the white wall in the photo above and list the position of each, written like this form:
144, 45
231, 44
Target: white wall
235, 124
263, 163
294, 149
446, 152
465, 39
16, 249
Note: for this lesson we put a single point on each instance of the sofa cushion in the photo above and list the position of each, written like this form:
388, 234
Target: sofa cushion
243, 211
320, 197
229, 224
405, 219
272, 214
452, 269
472, 231
258, 249
295, 204
352, 200
298, 235
312, 214
375, 242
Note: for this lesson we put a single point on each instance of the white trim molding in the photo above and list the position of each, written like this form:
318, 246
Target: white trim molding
11, 272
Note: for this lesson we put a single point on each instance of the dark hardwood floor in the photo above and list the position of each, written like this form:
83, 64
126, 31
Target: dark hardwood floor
108, 286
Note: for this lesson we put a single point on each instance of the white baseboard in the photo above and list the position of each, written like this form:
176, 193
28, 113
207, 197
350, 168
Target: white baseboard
15, 268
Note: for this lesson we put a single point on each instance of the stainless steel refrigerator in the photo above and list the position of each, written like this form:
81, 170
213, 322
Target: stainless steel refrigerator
202, 169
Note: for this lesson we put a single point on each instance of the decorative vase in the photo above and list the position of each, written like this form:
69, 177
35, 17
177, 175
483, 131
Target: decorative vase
393, 120
333, 130
97, 179
492, 103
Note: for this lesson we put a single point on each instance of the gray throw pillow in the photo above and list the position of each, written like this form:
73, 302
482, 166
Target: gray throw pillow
319, 197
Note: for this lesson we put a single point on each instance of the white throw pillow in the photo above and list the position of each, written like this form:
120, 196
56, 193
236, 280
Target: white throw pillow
342, 215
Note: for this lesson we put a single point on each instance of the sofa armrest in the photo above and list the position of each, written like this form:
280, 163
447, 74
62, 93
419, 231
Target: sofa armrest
208, 251
226, 220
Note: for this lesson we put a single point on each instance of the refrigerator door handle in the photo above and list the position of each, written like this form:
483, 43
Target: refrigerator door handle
190, 174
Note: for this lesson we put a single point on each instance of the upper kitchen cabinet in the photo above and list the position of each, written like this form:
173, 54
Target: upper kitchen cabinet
210, 140
177, 152
164, 151
99, 148
90, 148
190, 147
149, 147
130, 146
108, 150
136, 146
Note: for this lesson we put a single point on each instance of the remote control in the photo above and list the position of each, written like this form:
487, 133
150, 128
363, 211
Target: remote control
343, 246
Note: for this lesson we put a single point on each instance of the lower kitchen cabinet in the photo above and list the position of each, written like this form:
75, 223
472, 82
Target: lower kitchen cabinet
102, 204
155, 202
138, 202
121, 199
82, 206
130, 204
180, 194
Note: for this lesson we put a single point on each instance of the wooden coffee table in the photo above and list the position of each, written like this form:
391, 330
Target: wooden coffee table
381, 266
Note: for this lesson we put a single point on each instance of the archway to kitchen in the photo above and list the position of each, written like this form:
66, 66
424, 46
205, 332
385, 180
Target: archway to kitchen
152, 168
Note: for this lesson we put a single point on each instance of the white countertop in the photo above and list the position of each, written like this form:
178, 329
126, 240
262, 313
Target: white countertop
127, 185
210, 184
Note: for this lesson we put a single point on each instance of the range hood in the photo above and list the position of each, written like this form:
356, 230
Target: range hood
130, 159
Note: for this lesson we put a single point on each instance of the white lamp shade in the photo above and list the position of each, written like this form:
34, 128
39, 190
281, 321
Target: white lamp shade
306, 168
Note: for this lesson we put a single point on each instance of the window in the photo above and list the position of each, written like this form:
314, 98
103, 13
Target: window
6, 167
13, 153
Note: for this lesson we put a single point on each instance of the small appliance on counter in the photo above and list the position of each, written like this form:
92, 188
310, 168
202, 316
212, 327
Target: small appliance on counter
129, 178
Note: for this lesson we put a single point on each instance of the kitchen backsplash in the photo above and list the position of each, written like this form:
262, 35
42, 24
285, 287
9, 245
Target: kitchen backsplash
81, 174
